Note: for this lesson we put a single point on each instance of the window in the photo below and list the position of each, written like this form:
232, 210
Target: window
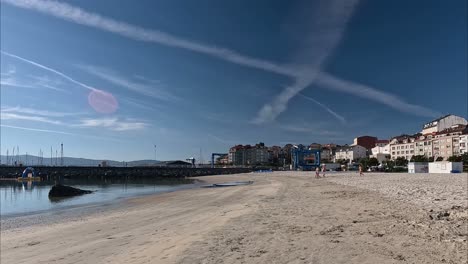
411, 151
398, 152
393, 153
393, 148
412, 146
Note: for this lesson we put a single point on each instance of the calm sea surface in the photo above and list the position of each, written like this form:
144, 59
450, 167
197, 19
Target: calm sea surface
31, 197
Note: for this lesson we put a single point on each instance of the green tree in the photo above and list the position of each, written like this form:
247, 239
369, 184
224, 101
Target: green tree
373, 162
455, 159
401, 161
364, 162
430, 159
389, 164
464, 158
440, 159
419, 158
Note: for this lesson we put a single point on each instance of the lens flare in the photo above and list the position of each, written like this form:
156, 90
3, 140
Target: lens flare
102, 102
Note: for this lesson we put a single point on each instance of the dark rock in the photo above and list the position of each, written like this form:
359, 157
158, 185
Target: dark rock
66, 191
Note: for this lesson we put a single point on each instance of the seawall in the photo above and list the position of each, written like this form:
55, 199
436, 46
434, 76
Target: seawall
118, 172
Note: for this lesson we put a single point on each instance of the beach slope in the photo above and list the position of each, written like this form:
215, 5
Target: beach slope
284, 217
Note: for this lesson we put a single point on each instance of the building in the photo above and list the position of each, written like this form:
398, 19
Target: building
315, 146
350, 153
443, 123
382, 143
402, 146
274, 153
423, 145
223, 160
285, 154
326, 154
367, 142
248, 155
464, 143
446, 143
235, 155
381, 151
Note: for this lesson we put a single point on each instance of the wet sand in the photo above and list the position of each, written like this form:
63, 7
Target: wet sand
284, 217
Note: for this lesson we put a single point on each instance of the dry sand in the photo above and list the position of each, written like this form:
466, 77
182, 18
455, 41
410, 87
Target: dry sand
284, 217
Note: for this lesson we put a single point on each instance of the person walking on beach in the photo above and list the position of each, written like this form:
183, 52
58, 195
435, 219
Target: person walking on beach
323, 170
360, 170
317, 172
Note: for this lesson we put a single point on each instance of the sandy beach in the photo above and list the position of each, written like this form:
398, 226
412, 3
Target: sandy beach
284, 217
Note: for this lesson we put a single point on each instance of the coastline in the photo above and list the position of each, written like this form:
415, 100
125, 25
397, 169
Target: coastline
284, 217
77, 212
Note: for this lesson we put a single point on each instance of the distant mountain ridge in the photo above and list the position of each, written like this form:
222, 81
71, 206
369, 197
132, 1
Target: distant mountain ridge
31, 160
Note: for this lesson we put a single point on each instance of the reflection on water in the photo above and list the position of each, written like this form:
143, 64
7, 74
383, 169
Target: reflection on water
26, 197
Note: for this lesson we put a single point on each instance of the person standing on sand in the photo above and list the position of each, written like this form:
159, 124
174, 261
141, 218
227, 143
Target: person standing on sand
360, 170
317, 172
323, 170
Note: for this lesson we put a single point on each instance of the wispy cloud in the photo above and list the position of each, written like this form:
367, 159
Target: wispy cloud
327, 23
61, 132
223, 140
80, 16
141, 86
39, 130
328, 109
10, 78
48, 69
13, 82
25, 110
312, 129
326, 27
14, 116
113, 124
363, 91
140, 104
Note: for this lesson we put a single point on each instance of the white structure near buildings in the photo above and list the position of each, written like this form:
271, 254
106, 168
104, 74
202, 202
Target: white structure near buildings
381, 151
442, 123
445, 167
350, 153
418, 167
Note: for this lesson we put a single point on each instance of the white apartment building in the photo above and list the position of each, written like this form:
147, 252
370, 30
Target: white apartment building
381, 152
443, 123
351, 153
464, 143
402, 146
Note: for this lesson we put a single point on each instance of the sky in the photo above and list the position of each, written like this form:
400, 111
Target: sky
113, 79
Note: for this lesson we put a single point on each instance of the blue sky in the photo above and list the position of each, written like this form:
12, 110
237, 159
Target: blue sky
110, 79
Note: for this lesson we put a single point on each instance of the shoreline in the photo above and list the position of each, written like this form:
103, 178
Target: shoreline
76, 212
284, 217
